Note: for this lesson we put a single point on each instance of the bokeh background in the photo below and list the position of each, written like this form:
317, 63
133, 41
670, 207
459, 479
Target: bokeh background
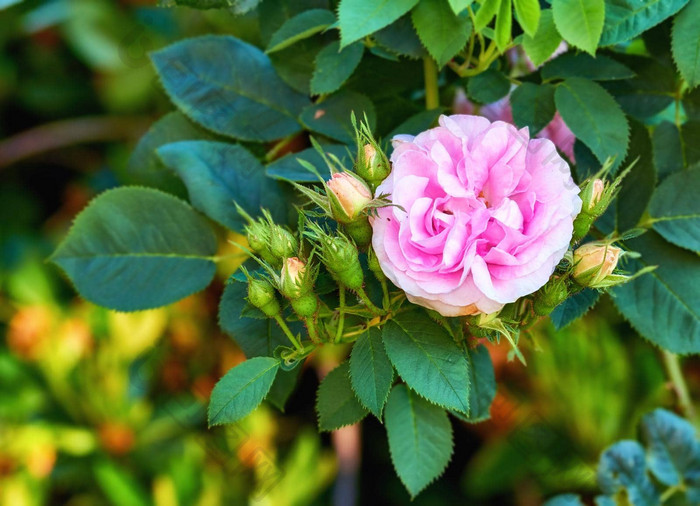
98, 407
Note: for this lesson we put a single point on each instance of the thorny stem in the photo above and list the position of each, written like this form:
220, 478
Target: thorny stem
283, 325
430, 73
370, 305
341, 315
673, 367
311, 327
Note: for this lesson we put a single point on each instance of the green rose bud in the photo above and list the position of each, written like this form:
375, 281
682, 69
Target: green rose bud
283, 244
372, 164
263, 295
594, 264
342, 260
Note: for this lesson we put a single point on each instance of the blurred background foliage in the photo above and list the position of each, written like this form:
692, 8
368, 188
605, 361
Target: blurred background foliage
98, 407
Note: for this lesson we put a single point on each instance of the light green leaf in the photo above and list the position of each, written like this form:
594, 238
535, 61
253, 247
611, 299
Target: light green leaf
336, 403
334, 67
545, 41
685, 42
420, 438
459, 5
580, 22
218, 175
357, 18
533, 106
593, 116
625, 19
229, 87
288, 167
675, 209
332, 116
487, 10
371, 372
137, 248
600, 68
504, 25
428, 360
528, 12
300, 27
441, 31
664, 305
242, 390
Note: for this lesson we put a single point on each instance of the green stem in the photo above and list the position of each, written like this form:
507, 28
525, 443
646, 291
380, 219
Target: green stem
311, 327
673, 367
430, 73
281, 144
370, 305
385, 294
341, 315
287, 332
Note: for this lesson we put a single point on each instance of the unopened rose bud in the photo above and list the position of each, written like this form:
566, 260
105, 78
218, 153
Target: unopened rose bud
594, 262
296, 283
348, 196
283, 244
258, 236
372, 164
263, 295
342, 259
592, 194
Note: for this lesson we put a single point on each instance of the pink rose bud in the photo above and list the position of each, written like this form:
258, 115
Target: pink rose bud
594, 262
348, 196
292, 278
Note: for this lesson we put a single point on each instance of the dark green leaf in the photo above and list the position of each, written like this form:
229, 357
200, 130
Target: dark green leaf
691, 104
137, 248
533, 106
272, 14
442, 32
574, 307
238, 7
229, 87
400, 38
332, 116
623, 467
668, 151
625, 19
357, 18
300, 27
288, 167
371, 373
482, 381
675, 209
593, 116
600, 68
218, 175
488, 87
417, 123
428, 360
547, 39
528, 12
295, 65
686, 43
690, 133
334, 67
282, 387
420, 438
639, 183
664, 306
336, 403
504, 25
580, 22
241, 390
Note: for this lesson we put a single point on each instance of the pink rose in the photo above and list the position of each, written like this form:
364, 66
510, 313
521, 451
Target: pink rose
485, 215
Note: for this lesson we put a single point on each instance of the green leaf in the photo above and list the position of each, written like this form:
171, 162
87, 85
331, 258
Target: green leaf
623, 467
428, 360
241, 390
371, 372
417, 123
565, 500
663, 305
504, 25
300, 27
487, 10
573, 308
272, 14
282, 387
218, 175
296, 64
288, 167
420, 438
533, 106
442, 32
137, 248
675, 209
639, 184
625, 19
674, 450
690, 133
459, 5
545, 41
488, 87
668, 150
119, 485
332, 116
600, 68
593, 116
528, 12
580, 22
483, 385
357, 18
238, 7
336, 403
334, 67
686, 43
401, 38
229, 87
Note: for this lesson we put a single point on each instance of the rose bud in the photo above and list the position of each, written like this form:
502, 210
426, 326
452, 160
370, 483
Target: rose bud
348, 196
594, 262
263, 295
372, 164
283, 244
296, 283
342, 259
258, 236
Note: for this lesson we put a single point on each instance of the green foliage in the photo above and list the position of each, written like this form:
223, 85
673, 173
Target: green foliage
593, 116
242, 390
504, 25
219, 175
662, 305
288, 167
371, 372
420, 438
482, 382
401, 38
545, 41
489, 86
600, 68
580, 22
332, 116
667, 148
237, 6
533, 106
487, 10
229, 87
623, 467
442, 32
528, 12
686, 43
336, 403
638, 185
675, 213
428, 360
574, 307
137, 248
333, 66
625, 19
358, 18
300, 27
